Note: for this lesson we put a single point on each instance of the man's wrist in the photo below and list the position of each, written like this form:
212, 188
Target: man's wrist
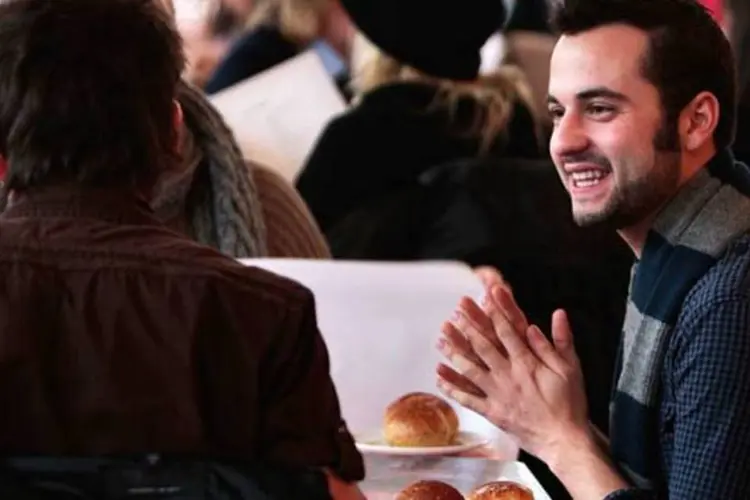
565, 452
585, 469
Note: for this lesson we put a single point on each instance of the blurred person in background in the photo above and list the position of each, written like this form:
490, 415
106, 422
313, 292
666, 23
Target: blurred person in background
208, 38
278, 30
420, 102
219, 199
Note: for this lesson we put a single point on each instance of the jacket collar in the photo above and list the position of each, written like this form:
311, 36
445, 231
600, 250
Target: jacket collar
115, 205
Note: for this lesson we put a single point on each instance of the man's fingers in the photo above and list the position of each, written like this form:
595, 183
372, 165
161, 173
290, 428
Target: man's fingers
504, 299
459, 381
489, 276
479, 318
460, 343
471, 370
544, 350
513, 340
562, 337
487, 351
473, 402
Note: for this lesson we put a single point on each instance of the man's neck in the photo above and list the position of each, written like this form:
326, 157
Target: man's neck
635, 235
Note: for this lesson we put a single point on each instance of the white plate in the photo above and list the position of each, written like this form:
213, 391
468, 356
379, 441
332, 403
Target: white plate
373, 442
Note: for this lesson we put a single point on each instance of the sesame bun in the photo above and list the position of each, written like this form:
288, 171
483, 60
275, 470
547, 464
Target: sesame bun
429, 490
501, 490
419, 420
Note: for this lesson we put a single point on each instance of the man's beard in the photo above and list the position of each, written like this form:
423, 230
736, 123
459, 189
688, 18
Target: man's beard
632, 203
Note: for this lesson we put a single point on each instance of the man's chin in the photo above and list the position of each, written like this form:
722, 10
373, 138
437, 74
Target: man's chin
592, 218
611, 220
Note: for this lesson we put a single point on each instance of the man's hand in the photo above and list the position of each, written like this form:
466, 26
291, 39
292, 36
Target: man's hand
511, 374
507, 371
489, 276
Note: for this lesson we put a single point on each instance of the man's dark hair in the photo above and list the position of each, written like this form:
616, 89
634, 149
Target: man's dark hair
86, 92
688, 52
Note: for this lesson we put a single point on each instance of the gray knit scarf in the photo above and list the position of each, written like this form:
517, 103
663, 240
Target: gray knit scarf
215, 189
687, 238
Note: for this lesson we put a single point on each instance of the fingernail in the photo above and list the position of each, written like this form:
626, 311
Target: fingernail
441, 343
456, 316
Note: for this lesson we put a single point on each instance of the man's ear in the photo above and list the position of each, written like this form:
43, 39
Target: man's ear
698, 121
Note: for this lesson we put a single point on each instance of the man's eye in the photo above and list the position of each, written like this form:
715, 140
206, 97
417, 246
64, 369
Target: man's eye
555, 112
599, 111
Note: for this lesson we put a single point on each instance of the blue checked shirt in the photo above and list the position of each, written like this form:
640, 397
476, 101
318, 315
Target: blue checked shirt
704, 425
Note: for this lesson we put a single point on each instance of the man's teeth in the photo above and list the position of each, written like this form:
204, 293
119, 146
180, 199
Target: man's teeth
587, 178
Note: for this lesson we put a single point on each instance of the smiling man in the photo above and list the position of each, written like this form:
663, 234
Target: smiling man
643, 99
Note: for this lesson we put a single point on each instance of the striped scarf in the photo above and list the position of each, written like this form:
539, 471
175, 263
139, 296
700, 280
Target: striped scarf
688, 237
222, 205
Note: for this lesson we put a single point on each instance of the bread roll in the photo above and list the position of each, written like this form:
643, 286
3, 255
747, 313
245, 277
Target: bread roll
501, 490
419, 419
429, 490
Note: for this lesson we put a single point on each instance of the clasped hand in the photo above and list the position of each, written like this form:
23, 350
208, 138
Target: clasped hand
506, 370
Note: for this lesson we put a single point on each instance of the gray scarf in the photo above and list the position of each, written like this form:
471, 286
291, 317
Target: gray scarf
687, 238
215, 190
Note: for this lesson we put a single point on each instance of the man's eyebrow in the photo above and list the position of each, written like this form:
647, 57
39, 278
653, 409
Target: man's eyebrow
594, 93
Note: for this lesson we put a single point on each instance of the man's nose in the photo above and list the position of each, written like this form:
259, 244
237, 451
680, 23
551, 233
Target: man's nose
568, 136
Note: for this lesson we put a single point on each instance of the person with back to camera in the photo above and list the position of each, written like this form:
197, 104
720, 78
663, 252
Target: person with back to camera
120, 338
643, 98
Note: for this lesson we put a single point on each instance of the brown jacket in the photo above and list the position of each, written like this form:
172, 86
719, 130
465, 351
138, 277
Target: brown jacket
291, 230
120, 336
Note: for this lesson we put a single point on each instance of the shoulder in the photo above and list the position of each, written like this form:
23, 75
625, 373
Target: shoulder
381, 115
716, 311
339, 143
291, 228
726, 281
233, 284
351, 123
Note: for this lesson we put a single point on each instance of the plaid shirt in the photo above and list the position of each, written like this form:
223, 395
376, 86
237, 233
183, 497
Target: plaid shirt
704, 426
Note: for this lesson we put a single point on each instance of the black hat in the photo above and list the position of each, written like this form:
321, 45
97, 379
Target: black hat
441, 38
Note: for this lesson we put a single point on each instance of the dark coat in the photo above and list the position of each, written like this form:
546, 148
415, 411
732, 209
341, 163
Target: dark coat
388, 140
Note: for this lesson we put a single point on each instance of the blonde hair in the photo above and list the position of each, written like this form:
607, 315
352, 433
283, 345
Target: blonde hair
300, 21
495, 93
